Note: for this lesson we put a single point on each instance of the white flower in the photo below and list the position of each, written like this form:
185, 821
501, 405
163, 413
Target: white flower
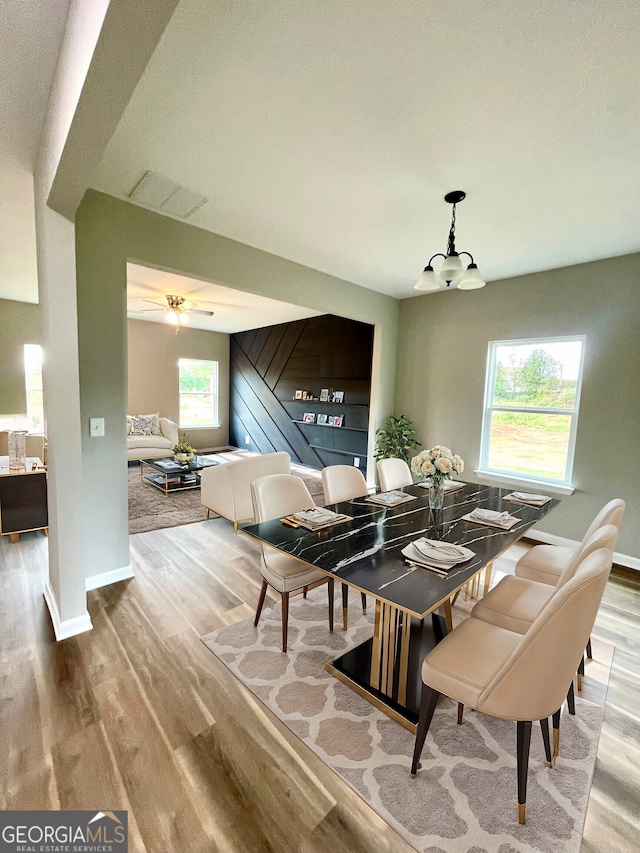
443, 451
458, 464
428, 468
444, 464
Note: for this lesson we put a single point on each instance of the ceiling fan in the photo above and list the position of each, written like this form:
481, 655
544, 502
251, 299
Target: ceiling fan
177, 310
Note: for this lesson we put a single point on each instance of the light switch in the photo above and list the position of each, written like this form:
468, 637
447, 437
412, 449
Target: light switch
97, 427
356, 461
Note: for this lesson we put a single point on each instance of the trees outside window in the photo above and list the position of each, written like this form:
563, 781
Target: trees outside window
532, 397
198, 389
33, 385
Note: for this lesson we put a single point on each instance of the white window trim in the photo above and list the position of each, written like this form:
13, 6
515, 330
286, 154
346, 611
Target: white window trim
216, 369
487, 474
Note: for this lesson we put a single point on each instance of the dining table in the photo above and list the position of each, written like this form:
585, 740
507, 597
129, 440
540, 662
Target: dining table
364, 551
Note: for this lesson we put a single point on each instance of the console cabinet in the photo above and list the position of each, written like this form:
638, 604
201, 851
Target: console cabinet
23, 499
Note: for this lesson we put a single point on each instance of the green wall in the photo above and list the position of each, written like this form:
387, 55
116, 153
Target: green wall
110, 232
442, 361
19, 325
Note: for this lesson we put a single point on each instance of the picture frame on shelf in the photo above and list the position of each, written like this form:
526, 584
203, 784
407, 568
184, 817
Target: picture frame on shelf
298, 395
338, 397
309, 418
337, 420
305, 395
324, 395
322, 419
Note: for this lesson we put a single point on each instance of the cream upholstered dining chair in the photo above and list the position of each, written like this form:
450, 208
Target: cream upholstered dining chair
507, 675
545, 563
515, 602
276, 496
344, 483
393, 474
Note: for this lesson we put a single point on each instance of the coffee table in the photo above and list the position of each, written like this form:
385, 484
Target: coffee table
171, 476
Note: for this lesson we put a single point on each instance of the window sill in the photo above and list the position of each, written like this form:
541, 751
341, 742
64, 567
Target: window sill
493, 478
199, 426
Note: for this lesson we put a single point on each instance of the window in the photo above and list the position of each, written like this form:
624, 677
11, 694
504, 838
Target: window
532, 397
198, 385
33, 382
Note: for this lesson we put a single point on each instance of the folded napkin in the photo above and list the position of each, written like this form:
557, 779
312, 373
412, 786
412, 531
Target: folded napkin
449, 485
491, 518
390, 498
440, 555
312, 519
526, 498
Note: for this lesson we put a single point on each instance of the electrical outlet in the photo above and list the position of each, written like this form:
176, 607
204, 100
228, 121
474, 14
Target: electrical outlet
247, 440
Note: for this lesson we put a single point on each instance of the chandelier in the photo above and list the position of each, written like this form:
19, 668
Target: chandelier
451, 273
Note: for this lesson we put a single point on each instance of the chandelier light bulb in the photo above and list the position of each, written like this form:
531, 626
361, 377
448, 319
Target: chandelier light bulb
471, 279
428, 280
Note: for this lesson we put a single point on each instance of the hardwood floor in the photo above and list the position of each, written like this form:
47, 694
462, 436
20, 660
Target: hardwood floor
137, 714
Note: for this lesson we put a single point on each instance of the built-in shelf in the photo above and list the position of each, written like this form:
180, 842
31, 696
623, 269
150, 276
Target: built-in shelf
341, 452
328, 403
331, 426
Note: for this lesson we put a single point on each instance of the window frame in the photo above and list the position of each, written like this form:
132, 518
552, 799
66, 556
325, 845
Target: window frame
214, 394
489, 408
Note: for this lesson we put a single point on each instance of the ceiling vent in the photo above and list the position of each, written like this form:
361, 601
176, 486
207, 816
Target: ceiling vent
153, 190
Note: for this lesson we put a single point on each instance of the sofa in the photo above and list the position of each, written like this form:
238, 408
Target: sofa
225, 489
160, 442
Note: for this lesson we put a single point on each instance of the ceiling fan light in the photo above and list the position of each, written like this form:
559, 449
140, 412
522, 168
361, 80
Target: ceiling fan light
451, 269
183, 318
471, 279
172, 317
428, 280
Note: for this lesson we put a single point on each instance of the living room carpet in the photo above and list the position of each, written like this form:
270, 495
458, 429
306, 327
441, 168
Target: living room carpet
464, 798
151, 509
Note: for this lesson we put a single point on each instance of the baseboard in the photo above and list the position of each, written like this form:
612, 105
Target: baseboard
69, 627
550, 539
106, 578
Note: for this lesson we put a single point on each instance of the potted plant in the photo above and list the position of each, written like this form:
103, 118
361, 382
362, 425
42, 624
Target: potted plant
183, 452
397, 440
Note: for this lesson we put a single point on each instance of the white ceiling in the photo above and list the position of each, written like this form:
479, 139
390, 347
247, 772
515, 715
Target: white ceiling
234, 311
328, 133
30, 36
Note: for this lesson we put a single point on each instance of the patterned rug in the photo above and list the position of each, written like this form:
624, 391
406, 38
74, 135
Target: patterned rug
464, 798
151, 509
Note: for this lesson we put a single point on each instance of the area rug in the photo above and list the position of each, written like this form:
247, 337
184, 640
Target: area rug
464, 798
151, 509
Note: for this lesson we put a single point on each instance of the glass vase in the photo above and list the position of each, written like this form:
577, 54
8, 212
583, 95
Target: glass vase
17, 441
436, 494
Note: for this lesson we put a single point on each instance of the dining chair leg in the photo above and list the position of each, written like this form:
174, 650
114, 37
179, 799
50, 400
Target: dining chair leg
524, 741
428, 702
345, 606
580, 672
460, 713
285, 619
263, 592
330, 594
589, 652
544, 727
556, 735
364, 602
571, 700
305, 590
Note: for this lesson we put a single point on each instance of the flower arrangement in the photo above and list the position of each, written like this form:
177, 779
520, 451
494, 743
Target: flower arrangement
439, 464
183, 447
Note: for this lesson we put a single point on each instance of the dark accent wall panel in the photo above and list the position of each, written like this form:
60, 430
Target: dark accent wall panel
270, 364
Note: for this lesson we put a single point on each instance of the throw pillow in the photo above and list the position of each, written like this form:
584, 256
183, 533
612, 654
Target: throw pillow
155, 422
140, 425
129, 424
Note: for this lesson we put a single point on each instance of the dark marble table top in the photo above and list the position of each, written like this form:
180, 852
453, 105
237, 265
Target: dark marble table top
365, 552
